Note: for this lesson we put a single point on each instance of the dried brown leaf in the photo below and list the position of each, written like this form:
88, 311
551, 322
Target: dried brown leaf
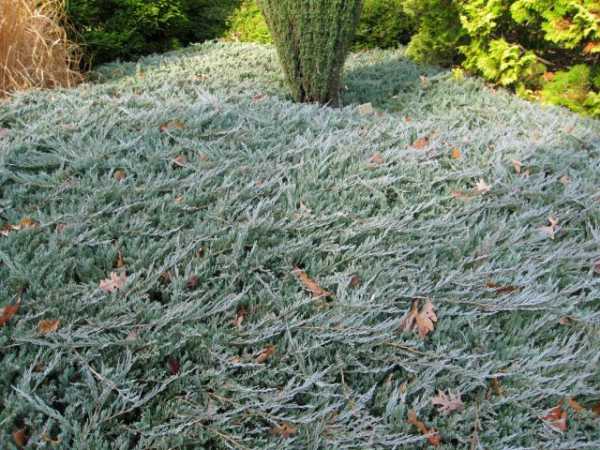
114, 283
180, 161
456, 153
557, 418
310, 285
574, 405
8, 312
355, 281
432, 435
20, 437
240, 316
285, 430
421, 321
481, 187
550, 230
120, 175
192, 282
265, 354
502, 289
376, 159
421, 143
48, 326
173, 125
447, 403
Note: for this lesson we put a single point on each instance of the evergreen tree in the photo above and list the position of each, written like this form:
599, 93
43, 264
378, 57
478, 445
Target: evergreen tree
313, 38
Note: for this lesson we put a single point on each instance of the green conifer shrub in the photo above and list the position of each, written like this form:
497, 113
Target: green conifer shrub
536, 47
312, 40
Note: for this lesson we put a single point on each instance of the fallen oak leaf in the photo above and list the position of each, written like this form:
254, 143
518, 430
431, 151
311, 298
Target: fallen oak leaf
174, 366
517, 165
8, 312
240, 316
114, 283
574, 405
557, 418
179, 161
20, 437
265, 354
551, 230
175, 124
192, 282
376, 160
502, 289
310, 285
447, 403
421, 143
432, 435
120, 175
422, 321
481, 187
426, 319
355, 281
48, 326
285, 430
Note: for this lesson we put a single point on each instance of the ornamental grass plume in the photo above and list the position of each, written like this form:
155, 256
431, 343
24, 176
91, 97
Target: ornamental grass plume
35, 51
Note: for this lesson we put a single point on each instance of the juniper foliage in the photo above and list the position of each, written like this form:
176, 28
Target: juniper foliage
313, 40
270, 185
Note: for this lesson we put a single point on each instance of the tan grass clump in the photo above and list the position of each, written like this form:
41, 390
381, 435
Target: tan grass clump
35, 51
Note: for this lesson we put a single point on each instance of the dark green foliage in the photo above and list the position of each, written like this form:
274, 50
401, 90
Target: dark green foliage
127, 29
312, 39
382, 25
516, 43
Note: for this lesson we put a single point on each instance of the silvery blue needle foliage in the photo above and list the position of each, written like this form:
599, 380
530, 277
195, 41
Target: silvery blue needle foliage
268, 185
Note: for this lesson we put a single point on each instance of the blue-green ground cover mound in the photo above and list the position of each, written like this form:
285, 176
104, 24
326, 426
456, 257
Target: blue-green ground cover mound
269, 185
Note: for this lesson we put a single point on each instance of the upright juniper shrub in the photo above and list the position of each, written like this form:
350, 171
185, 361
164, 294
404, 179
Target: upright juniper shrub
313, 39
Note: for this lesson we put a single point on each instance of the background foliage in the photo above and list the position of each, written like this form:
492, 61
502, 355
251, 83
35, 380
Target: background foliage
127, 29
545, 49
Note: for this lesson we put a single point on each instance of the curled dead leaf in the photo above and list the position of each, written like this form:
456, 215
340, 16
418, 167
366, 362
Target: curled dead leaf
502, 289
192, 283
421, 143
8, 312
120, 175
310, 285
481, 187
180, 161
240, 316
114, 283
432, 435
173, 125
574, 405
556, 418
517, 165
355, 281
376, 160
20, 437
285, 430
119, 261
48, 326
550, 230
447, 403
420, 320
265, 354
